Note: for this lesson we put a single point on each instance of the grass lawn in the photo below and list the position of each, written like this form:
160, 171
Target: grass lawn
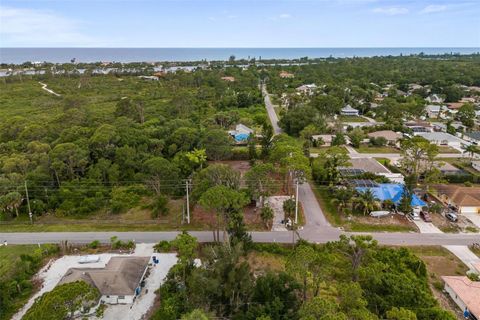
15, 275
475, 250
370, 149
352, 119
444, 149
10, 255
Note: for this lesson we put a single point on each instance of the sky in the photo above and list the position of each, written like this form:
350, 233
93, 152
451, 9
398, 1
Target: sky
240, 23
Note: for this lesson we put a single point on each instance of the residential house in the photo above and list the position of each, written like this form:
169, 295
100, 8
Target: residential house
119, 282
454, 106
325, 138
434, 98
419, 127
443, 139
349, 111
286, 75
307, 89
391, 136
433, 110
359, 166
465, 199
473, 137
465, 293
393, 192
241, 133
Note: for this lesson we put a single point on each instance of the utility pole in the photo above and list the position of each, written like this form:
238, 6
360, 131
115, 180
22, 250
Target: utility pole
296, 201
188, 202
28, 203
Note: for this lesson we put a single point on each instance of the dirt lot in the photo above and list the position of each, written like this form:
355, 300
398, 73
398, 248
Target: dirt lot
251, 216
440, 262
391, 223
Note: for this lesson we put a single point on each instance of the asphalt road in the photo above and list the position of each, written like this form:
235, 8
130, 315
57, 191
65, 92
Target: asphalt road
316, 235
271, 111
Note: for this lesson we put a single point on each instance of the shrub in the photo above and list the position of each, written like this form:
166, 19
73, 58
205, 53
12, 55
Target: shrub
163, 246
94, 244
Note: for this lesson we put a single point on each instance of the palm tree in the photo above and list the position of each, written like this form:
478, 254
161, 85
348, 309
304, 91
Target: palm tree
472, 149
366, 201
342, 199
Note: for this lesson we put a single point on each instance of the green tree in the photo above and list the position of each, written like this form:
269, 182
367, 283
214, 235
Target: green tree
68, 161
321, 308
161, 175
215, 175
224, 201
63, 301
266, 213
217, 144
366, 201
196, 314
466, 114
356, 137
401, 314
260, 182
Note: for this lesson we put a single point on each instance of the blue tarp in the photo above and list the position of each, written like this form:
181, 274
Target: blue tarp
241, 137
391, 191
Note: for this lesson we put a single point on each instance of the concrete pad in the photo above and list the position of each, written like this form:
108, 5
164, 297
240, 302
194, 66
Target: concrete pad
276, 203
474, 217
54, 271
426, 227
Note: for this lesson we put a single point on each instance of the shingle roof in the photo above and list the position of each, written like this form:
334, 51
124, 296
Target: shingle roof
387, 134
468, 291
474, 135
461, 196
120, 276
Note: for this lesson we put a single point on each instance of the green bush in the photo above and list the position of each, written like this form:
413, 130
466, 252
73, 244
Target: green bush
163, 246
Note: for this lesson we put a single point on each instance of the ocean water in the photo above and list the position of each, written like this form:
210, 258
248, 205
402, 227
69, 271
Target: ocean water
59, 55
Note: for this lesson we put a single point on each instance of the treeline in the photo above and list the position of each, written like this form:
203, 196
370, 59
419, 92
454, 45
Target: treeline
108, 142
352, 278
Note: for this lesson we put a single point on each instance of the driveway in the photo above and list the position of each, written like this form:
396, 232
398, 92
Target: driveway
464, 254
426, 227
474, 217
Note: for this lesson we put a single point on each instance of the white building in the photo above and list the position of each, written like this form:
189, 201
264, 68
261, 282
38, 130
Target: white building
349, 111
476, 165
433, 110
434, 98
307, 89
443, 139
465, 293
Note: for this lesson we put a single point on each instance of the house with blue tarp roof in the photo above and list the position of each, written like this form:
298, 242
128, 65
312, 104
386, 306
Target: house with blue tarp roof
241, 133
391, 191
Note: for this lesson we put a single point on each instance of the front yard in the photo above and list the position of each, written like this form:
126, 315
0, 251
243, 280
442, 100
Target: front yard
365, 148
359, 223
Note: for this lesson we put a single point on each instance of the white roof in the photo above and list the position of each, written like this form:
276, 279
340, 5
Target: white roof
241, 128
439, 136
433, 108
348, 108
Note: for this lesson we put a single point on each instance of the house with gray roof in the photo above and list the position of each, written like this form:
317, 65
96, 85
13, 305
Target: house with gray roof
348, 110
118, 283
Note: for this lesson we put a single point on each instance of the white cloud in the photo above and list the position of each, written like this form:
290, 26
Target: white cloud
285, 16
29, 27
391, 11
434, 8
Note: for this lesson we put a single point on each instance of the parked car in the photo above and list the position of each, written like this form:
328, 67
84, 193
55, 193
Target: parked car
414, 215
452, 216
425, 216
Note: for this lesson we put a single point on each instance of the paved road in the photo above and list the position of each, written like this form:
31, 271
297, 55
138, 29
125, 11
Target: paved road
317, 235
271, 111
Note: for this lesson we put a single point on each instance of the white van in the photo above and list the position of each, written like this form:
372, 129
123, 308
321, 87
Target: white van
415, 213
